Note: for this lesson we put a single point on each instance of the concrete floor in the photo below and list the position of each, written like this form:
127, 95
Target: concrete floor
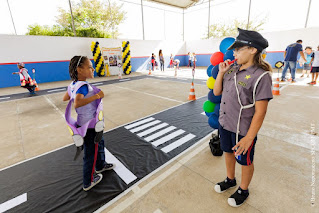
283, 159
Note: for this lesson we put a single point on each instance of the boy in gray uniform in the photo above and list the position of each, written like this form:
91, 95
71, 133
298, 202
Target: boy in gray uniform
246, 89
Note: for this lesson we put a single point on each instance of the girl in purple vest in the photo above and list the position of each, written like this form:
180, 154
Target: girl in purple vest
80, 69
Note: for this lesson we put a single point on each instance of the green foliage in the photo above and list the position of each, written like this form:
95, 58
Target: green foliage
225, 30
92, 18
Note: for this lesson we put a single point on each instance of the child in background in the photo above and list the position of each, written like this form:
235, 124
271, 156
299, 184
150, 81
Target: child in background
189, 59
156, 64
171, 59
194, 60
176, 64
315, 67
307, 64
153, 61
80, 69
25, 79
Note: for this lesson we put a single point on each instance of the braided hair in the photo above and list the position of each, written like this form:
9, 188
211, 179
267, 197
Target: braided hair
76, 61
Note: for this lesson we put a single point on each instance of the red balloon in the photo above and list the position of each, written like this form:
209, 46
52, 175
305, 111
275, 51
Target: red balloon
216, 58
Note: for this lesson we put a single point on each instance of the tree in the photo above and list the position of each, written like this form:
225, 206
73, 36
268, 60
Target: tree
224, 30
92, 18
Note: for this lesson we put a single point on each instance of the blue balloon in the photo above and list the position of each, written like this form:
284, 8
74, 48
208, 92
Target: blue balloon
209, 70
208, 113
213, 121
225, 43
216, 110
214, 99
215, 71
229, 55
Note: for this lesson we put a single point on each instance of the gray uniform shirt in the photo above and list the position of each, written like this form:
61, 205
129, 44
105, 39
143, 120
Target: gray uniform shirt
229, 107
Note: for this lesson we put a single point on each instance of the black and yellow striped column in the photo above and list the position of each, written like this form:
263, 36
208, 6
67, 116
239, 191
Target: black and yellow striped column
126, 57
98, 59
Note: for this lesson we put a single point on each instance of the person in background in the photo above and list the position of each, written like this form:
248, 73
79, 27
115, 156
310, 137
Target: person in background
153, 61
171, 59
25, 79
161, 58
315, 67
194, 60
189, 59
290, 61
307, 64
176, 66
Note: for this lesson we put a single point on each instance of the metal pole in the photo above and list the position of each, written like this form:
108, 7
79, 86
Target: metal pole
248, 15
72, 18
208, 18
12, 18
164, 27
111, 16
142, 19
183, 25
308, 14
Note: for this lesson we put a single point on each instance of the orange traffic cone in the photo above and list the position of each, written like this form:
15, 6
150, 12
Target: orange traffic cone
36, 85
275, 90
192, 96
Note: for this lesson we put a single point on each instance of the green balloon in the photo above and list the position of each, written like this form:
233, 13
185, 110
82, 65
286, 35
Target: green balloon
209, 106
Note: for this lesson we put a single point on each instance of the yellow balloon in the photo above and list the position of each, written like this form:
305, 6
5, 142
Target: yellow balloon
210, 82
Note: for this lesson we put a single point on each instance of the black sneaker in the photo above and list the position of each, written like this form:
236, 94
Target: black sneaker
238, 198
96, 179
224, 185
107, 166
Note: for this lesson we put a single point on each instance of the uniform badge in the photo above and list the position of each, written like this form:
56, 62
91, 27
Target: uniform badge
248, 77
243, 84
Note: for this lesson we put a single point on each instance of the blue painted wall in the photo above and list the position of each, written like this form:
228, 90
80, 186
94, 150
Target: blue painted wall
58, 71
45, 72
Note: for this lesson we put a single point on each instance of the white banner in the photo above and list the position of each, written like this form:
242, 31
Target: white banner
113, 60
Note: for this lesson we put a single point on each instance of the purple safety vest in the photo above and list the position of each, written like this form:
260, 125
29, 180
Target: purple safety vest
78, 133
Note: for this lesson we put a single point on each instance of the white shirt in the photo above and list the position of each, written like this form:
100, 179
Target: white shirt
315, 56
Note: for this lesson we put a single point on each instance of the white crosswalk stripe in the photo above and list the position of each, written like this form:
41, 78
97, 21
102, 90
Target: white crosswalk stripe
137, 129
160, 135
146, 132
178, 143
168, 137
139, 123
